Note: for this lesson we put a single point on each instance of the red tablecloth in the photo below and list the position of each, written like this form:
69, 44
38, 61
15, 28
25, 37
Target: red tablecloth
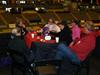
29, 39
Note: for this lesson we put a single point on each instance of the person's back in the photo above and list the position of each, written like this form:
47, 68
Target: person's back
18, 44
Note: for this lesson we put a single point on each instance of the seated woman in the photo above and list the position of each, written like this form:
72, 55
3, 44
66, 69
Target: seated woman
20, 29
21, 25
75, 31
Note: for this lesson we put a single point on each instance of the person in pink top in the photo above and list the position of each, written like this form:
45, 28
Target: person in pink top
75, 31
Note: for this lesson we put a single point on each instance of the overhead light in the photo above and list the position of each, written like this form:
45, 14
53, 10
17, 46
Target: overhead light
33, 2
42, 8
93, 7
87, 7
20, 2
37, 9
8, 9
4, 2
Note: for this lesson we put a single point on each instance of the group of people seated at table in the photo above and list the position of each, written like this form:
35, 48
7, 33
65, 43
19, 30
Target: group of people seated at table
57, 29
75, 43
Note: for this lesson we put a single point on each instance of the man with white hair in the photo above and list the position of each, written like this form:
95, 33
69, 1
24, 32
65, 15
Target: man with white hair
52, 26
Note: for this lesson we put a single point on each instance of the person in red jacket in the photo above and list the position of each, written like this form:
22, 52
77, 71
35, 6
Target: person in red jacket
79, 50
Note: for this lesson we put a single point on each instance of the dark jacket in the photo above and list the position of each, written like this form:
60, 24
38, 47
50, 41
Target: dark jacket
19, 45
65, 35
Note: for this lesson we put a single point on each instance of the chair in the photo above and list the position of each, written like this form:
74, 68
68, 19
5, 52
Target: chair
20, 62
83, 65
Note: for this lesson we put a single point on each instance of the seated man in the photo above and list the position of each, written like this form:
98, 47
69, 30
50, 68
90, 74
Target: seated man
79, 50
52, 27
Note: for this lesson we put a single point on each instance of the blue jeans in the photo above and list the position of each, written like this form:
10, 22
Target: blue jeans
63, 51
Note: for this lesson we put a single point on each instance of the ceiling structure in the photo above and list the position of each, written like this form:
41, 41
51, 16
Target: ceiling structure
12, 2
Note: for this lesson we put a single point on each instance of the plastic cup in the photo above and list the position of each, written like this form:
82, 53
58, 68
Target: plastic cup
57, 39
32, 35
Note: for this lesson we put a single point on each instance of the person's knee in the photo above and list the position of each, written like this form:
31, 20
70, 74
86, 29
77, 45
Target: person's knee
61, 46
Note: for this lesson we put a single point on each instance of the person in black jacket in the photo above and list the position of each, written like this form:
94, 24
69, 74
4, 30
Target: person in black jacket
65, 34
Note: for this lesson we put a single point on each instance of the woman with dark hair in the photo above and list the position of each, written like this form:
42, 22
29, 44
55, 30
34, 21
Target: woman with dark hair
65, 33
22, 27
